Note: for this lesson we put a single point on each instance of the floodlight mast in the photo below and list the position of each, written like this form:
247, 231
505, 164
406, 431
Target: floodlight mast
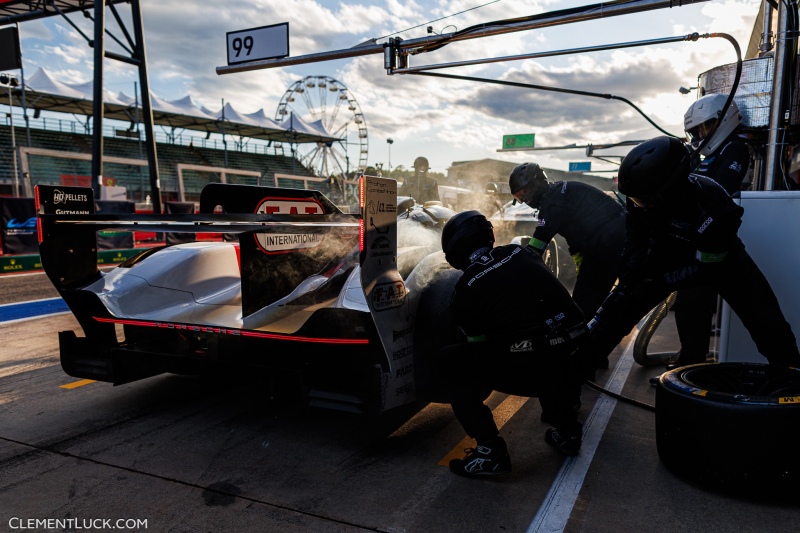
433, 42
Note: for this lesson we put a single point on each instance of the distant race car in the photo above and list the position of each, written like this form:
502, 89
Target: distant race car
304, 288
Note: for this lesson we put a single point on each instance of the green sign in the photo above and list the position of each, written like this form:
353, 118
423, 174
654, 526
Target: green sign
524, 140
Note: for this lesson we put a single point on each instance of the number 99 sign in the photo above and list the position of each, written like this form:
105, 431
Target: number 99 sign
266, 42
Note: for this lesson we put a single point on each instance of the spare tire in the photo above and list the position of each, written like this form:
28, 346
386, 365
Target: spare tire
731, 425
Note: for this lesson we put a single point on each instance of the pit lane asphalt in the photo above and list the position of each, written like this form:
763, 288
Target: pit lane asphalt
218, 454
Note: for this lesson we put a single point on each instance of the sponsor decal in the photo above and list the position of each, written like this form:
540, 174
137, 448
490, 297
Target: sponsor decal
553, 321
702, 228
521, 346
15, 226
399, 354
273, 243
402, 333
576, 333
61, 197
388, 295
403, 371
381, 243
496, 265
289, 206
736, 166
405, 389
71, 212
284, 242
12, 266
555, 341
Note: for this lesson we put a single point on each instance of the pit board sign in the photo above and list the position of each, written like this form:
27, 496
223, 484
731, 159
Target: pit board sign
265, 42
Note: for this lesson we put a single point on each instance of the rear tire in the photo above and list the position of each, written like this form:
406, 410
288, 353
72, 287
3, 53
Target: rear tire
431, 287
731, 425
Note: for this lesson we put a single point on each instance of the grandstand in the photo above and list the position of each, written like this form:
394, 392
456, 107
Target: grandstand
60, 153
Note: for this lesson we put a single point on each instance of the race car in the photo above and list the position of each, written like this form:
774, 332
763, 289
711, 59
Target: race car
297, 286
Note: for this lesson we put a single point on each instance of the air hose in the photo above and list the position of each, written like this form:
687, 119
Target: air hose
620, 397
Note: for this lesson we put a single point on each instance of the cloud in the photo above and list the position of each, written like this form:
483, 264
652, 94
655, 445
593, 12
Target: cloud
446, 120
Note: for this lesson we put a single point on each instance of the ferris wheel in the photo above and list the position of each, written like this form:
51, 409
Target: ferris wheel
324, 98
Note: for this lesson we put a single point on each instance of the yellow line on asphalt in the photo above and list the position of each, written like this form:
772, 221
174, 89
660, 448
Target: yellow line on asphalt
502, 414
76, 384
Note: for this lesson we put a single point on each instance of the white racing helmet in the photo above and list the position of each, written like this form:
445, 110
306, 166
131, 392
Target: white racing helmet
701, 116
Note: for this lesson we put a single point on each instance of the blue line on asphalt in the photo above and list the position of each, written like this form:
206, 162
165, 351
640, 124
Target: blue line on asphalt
34, 308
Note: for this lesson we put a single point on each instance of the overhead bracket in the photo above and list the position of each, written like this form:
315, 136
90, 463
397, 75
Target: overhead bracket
394, 57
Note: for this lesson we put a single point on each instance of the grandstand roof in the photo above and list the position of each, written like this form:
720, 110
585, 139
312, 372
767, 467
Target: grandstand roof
21, 10
45, 93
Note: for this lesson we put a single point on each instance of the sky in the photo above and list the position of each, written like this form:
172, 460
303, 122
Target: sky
444, 120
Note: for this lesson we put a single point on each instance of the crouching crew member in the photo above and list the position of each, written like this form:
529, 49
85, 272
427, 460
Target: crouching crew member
682, 233
521, 328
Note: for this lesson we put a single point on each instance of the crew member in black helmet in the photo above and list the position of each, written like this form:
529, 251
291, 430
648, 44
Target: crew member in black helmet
420, 186
681, 233
591, 221
521, 328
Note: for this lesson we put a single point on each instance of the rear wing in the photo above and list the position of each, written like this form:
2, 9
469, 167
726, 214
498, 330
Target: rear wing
284, 234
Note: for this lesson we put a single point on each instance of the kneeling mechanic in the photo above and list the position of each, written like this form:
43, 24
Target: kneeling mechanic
521, 330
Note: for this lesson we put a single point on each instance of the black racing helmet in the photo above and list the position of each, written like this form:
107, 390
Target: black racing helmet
652, 169
463, 234
528, 183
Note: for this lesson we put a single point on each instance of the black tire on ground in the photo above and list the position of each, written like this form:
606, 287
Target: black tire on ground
731, 425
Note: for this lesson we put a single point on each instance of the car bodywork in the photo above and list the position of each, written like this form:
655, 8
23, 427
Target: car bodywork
296, 286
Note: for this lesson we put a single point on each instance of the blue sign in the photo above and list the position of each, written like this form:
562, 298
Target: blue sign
583, 166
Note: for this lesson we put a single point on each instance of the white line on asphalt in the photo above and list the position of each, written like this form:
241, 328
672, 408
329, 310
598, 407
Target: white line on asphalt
556, 509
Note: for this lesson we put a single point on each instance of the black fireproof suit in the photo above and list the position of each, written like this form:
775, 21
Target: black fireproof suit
593, 224
694, 308
689, 240
521, 328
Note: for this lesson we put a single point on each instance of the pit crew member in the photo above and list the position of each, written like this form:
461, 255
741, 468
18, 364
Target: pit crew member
682, 233
520, 328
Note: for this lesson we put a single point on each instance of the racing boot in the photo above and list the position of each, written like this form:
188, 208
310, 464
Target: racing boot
489, 458
567, 442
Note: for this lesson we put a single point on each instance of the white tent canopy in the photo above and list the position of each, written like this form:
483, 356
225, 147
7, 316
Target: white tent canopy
45, 93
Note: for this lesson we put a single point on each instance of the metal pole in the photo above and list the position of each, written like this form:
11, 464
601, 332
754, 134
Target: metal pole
553, 18
774, 148
147, 109
13, 143
139, 137
766, 35
224, 140
97, 90
24, 104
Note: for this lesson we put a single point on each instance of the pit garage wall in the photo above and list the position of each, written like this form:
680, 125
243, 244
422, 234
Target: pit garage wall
771, 232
